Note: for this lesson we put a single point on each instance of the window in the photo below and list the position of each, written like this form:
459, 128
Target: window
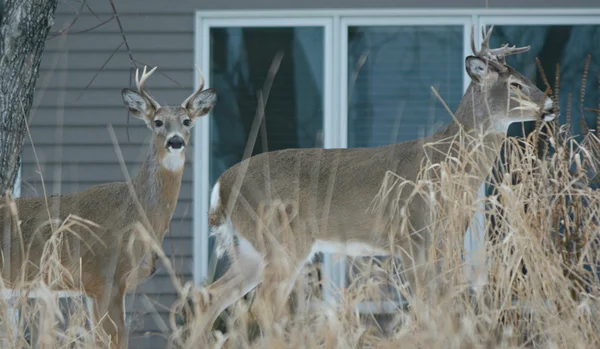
357, 78
390, 71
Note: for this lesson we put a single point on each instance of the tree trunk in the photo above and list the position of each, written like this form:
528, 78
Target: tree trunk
23, 30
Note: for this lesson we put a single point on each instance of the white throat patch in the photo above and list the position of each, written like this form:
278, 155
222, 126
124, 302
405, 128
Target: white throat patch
173, 161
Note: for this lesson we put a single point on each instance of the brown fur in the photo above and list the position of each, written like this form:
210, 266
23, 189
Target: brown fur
334, 188
102, 255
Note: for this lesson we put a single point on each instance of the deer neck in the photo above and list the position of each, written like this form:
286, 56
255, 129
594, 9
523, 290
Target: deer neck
470, 118
158, 183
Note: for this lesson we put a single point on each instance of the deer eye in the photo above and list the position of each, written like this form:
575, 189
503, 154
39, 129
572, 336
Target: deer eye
158, 123
187, 122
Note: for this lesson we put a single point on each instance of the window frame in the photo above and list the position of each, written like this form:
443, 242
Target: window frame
336, 23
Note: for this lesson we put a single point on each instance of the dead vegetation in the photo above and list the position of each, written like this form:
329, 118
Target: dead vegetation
541, 290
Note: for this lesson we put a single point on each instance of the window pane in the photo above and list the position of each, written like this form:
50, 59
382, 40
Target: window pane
566, 45
240, 58
390, 73
391, 70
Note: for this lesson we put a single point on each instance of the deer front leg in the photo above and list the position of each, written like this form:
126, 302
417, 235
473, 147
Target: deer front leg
415, 262
110, 311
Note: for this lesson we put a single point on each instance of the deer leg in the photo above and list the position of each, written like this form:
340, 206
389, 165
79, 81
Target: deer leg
291, 281
415, 263
274, 294
245, 272
111, 312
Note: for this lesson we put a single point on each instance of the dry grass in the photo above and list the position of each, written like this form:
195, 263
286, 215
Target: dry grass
545, 218
542, 216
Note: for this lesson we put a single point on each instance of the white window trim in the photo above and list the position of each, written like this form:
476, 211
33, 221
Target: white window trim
338, 20
17, 186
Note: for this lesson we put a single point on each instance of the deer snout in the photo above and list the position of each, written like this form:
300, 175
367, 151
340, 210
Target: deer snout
548, 113
175, 143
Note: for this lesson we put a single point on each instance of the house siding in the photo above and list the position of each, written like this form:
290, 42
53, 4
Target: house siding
68, 125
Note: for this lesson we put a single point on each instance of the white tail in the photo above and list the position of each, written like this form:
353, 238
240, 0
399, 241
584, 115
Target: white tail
108, 258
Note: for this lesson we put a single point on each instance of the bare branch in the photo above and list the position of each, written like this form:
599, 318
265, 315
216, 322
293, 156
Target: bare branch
73, 21
88, 29
98, 72
116, 14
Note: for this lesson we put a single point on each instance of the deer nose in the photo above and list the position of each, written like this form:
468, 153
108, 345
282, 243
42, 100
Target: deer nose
175, 142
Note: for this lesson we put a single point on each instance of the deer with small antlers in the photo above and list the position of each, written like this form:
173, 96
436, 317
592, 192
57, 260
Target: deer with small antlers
105, 259
332, 189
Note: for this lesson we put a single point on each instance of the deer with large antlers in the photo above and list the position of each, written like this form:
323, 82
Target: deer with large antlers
105, 259
331, 190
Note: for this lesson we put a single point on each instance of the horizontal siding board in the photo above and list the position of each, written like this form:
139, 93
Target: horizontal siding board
114, 80
157, 284
92, 97
69, 134
182, 265
81, 153
102, 42
141, 303
110, 41
133, 23
75, 115
179, 247
93, 61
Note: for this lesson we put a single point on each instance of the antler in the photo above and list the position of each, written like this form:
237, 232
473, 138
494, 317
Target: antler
200, 89
496, 56
140, 85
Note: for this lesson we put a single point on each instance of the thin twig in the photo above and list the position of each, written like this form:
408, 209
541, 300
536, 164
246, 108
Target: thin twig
92, 11
98, 72
116, 14
92, 27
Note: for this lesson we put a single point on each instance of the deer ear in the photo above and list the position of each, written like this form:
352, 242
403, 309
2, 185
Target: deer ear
477, 68
203, 103
137, 104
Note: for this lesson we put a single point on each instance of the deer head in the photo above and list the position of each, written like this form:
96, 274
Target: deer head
171, 125
506, 96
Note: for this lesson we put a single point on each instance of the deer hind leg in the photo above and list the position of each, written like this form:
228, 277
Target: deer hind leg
272, 297
245, 272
